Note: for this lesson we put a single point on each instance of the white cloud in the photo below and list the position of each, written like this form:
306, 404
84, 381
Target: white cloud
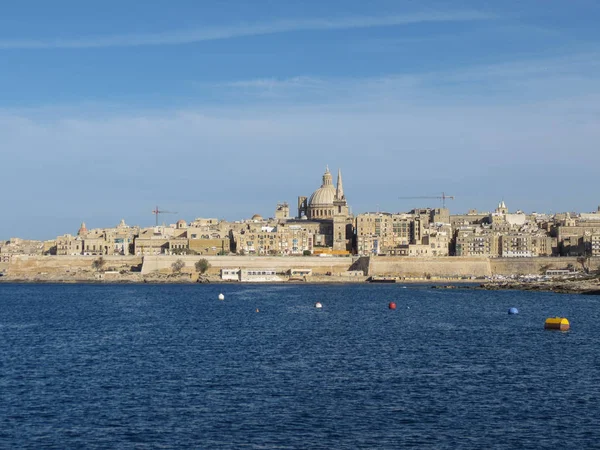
244, 30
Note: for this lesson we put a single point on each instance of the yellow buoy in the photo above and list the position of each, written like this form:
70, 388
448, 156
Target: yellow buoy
556, 323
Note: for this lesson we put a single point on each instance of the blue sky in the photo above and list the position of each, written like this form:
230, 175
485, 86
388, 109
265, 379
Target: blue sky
222, 109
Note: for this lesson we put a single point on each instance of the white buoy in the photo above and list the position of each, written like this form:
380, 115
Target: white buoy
221, 297
318, 305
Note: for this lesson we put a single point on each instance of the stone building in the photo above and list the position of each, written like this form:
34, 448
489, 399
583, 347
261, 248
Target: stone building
291, 237
151, 241
516, 245
595, 245
476, 241
574, 233
282, 211
18, 246
383, 233
425, 232
69, 245
99, 241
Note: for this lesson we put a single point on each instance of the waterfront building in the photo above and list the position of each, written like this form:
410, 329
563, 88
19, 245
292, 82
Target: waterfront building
18, 246
574, 233
151, 241
477, 241
99, 241
69, 245
595, 245
284, 238
421, 232
516, 245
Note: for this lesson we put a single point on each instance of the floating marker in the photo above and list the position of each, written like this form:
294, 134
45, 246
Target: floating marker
221, 297
557, 323
513, 310
318, 305
392, 305
257, 310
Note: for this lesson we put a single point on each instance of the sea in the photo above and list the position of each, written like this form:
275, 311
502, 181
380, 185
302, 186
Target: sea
173, 367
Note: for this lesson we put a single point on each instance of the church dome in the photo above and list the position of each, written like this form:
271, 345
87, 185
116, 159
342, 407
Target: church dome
82, 229
325, 195
322, 196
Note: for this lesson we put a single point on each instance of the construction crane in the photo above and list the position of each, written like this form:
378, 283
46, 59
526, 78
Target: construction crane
442, 197
157, 211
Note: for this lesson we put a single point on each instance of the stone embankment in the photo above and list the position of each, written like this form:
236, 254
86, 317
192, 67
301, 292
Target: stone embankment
159, 269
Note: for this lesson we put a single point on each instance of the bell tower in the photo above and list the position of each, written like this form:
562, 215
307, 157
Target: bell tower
342, 226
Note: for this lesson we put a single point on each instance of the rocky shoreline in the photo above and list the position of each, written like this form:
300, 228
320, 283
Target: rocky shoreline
588, 286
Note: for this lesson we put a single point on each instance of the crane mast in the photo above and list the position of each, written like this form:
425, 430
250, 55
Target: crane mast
157, 211
442, 197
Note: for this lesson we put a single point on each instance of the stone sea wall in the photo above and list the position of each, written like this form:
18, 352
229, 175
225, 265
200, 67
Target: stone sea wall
453, 266
319, 265
133, 268
429, 267
67, 268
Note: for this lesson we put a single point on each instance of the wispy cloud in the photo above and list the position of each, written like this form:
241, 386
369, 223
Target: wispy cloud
243, 30
566, 74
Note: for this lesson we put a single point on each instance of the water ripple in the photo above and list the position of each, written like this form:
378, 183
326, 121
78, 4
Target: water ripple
103, 366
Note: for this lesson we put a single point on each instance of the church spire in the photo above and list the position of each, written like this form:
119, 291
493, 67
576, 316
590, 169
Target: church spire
339, 193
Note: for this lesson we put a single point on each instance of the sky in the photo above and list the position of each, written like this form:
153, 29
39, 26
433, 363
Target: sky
225, 108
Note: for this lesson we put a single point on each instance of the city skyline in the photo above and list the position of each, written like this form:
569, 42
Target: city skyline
217, 111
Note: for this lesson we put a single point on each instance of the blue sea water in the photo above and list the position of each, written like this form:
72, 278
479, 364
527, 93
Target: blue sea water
171, 366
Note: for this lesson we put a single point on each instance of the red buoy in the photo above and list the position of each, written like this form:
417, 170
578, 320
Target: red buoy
392, 305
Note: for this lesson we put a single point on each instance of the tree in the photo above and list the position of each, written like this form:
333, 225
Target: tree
98, 263
584, 261
307, 253
202, 265
177, 266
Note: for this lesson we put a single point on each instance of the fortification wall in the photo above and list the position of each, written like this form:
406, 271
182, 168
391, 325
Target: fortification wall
319, 265
80, 267
420, 267
27, 266
535, 266
454, 266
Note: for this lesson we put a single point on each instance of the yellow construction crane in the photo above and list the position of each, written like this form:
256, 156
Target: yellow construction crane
442, 197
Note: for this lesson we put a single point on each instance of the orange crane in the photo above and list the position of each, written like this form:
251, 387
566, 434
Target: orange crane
157, 211
442, 197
